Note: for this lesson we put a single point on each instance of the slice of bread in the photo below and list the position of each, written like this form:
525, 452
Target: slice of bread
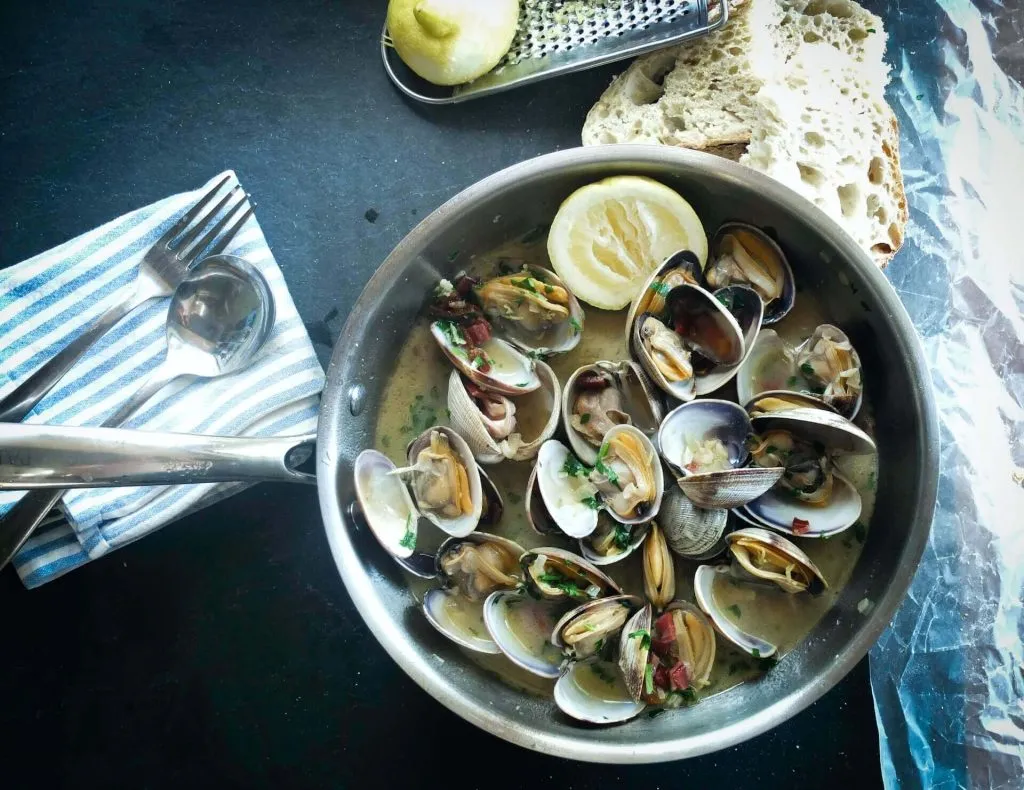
760, 83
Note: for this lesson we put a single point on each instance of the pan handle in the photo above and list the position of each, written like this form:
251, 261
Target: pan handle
42, 457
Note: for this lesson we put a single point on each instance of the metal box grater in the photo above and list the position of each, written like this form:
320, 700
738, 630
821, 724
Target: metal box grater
558, 37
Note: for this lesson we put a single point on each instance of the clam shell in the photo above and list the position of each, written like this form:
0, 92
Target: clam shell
680, 390
560, 558
729, 488
847, 406
834, 431
685, 260
467, 420
537, 515
575, 518
748, 310
642, 403
703, 591
690, 531
436, 608
575, 698
386, 504
555, 340
462, 525
630, 602
778, 511
633, 652
511, 374
637, 535
782, 546
769, 366
659, 475
659, 570
705, 660
510, 546
520, 626
493, 505
775, 309
772, 401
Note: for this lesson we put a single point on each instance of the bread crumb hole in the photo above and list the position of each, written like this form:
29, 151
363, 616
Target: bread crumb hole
840, 10
856, 34
815, 139
811, 175
881, 215
815, 7
849, 197
735, 51
810, 37
875, 170
895, 234
607, 138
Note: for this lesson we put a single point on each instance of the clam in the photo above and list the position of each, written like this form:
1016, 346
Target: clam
783, 400
743, 254
705, 443
789, 515
824, 369
682, 268
386, 504
612, 541
533, 310
595, 692
600, 396
496, 427
690, 531
659, 570
831, 367
704, 591
665, 659
471, 568
559, 575
491, 363
591, 628
520, 626
627, 482
748, 310
824, 426
764, 556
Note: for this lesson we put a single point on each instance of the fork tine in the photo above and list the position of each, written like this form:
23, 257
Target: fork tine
191, 214
193, 253
231, 232
201, 223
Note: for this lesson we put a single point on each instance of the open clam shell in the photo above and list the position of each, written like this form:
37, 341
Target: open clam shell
533, 310
748, 310
559, 575
566, 495
596, 693
742, 254
459, 619
681, 268
835, 432
705, 443
773, 401
612, 541
770, 366
504, 369
764, 556
780, 511
690, 531
599, 396
479, 564
703, 590
434, 501
586, 631
634, 650
521, 626
386, 504
626, 450
525, 424
831, 366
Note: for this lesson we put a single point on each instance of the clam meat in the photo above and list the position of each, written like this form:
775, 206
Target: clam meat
440, 481
598, 407
477, 569
626, 474
666, 351
831, 367
765, 556
659, 570
526, 300
808, 473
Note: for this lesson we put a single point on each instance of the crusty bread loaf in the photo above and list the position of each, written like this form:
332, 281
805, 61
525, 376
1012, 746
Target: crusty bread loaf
794, 88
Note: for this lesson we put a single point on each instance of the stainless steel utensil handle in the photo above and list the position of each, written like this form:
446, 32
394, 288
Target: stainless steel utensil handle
26, 395
48, 457
48, 460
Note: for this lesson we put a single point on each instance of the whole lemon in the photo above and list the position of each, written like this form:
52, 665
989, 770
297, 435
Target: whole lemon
448, 42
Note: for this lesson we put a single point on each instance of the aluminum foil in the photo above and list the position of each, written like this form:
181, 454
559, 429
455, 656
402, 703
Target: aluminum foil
948, 674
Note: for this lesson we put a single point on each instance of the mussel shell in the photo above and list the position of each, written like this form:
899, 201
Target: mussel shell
703, 591
576, 701
692, 532
462, 525
775, 309
748, 310
466, 418
836, 433
643, 405
779, 511
435, 609
544, 662
512, 374
385, 502
780, 545
633, 651
563, 562
555, 340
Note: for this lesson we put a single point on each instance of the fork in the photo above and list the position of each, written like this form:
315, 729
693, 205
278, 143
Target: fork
161, 271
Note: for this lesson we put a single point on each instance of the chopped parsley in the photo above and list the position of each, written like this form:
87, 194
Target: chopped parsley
592, 502
603, 452
451, 332
563, 583
807, 369
771, 449
871, 30
643, 635
872, 482
589, 627
599, 645
860, 532
685, 696
792, 381
585, 418
735, 609
756, 653
660, 288
479, 361
526, 284
576, 327
549, 289
725, 299
408, 540
421, 416
621, 538
607, 471
649, 679
523, 384
573, 467
453, 255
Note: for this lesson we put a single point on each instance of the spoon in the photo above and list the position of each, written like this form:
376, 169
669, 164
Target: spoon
219, 318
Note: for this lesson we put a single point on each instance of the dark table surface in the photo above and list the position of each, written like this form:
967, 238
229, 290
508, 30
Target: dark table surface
225, 648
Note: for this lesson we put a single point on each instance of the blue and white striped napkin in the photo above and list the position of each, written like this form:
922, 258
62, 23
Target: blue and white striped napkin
46, 301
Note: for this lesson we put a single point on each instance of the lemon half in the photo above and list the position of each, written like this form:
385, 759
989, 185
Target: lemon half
608, 237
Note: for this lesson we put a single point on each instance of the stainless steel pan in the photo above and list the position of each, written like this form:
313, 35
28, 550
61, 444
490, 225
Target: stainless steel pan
854, 294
